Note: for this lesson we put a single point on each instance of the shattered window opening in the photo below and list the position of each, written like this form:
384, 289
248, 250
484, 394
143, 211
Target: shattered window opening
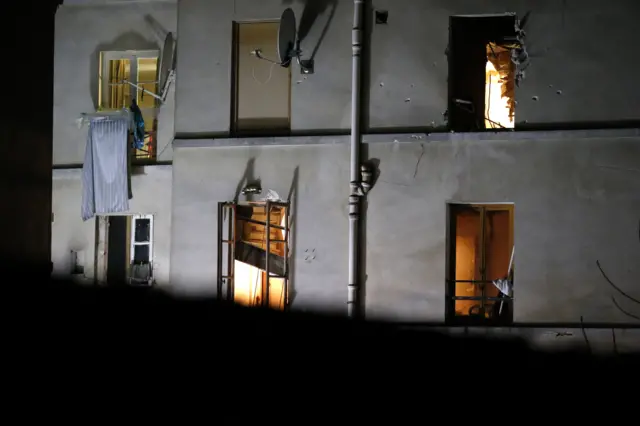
499, 108
487, 58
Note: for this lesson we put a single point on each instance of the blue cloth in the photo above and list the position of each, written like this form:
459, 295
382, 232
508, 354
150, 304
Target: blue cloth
138, 126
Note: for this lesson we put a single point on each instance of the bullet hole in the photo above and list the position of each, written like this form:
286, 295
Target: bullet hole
382, 16
551, 85
535, 98
559, 92
408, 100
381, 84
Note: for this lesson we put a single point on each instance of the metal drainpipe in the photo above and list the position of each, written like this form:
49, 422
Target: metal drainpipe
355, 175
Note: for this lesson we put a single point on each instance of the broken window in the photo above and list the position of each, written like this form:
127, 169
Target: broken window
139, 68
261, 87
482, 72
499, 105
480, 264
253, 253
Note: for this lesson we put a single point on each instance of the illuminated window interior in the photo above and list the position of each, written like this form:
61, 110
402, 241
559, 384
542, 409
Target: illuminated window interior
480, 251
249, 281
140, 68
262, 92
251, 253
499, 88
481, 83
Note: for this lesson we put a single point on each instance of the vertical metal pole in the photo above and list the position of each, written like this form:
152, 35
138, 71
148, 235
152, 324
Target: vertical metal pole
219, 258
354, 184
483, 262
233, 227
265, 296
285, 302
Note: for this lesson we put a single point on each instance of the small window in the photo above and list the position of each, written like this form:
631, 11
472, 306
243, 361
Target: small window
480, 271
261, 87
141, 69
124, 250
141, 249
481, 73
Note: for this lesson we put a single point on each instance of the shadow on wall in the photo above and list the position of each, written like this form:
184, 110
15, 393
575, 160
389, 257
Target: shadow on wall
312, 10
160, 31
127, 41
248, 178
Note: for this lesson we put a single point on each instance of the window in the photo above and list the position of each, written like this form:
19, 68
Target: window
261, 88
141, 249
253, 253
482, 74
480, 251
127, 256
140, 68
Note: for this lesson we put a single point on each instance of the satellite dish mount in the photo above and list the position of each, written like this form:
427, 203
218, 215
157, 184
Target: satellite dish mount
288, 45
166, 71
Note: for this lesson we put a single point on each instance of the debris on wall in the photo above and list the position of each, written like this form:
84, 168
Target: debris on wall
519, 54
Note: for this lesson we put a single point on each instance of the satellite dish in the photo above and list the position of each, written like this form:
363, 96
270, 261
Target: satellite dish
167, 65
287, 47
166, 71
287, 37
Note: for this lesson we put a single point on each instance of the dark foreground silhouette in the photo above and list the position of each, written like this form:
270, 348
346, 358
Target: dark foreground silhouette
101, 333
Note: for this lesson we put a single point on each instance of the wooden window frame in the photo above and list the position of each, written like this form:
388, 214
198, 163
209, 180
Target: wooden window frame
103, 89
450, 287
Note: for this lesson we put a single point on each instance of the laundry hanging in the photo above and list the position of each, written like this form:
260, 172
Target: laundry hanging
105, 187
138, 125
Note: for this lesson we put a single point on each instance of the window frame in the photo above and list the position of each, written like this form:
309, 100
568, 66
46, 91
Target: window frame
232, 217
133, 243
235, 129
132, 55
450, 274
103, 88
467, 59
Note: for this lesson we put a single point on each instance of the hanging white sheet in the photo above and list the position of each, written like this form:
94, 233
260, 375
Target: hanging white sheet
104, 173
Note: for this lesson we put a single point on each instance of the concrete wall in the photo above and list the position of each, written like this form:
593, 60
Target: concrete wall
151, 195
82, 32
576, 196
578, 47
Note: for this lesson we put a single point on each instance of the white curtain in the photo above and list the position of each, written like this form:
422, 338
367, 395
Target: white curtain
104, 174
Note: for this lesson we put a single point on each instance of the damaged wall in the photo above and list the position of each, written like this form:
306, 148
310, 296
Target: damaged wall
576, 201
82, 32
151, 186
578, 74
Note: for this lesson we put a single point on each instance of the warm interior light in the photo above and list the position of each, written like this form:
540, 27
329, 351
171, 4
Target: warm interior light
249, 280
499, 89
483, 246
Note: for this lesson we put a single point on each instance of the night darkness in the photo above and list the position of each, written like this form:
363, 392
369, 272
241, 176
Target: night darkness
27, 136
331, 362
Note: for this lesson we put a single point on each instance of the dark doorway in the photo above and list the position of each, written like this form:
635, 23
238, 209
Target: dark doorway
117, 261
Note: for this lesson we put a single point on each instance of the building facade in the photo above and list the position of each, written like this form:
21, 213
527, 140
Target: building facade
542, 188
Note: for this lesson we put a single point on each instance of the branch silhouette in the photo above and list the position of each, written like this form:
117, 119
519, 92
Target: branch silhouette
619, 290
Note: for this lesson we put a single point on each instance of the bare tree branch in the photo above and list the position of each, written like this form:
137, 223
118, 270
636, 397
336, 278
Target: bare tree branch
613, 299
615, 286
